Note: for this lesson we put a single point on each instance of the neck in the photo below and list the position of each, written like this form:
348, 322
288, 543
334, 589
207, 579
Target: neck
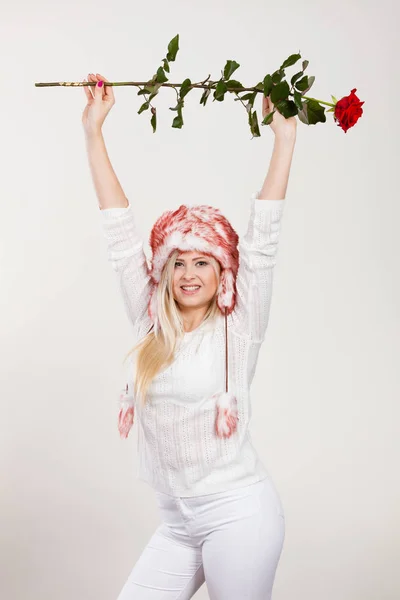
193, 317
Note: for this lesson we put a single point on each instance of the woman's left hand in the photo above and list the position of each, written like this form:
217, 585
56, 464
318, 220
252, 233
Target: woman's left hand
279, 124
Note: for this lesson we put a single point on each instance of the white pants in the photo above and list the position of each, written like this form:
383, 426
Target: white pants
232, 540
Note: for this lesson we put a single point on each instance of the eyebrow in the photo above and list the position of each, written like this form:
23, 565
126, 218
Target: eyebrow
196, 258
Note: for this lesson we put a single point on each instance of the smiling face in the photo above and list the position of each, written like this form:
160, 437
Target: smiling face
194, 269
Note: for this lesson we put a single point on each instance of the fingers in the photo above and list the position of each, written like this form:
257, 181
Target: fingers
86, 89
95, 90
98, 92
108, 89
267, 105
90, 89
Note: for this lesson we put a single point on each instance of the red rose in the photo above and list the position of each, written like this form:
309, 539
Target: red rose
348, 110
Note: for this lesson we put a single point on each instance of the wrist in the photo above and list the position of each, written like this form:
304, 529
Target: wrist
287, 138
95, 134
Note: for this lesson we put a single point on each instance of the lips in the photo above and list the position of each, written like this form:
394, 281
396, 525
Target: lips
188, 292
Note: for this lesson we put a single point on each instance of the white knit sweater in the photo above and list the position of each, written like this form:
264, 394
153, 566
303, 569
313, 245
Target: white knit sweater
179, 452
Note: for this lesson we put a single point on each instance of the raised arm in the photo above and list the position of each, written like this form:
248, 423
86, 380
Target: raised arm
257, 258
100, 100
108, 189
258, 247
124, 244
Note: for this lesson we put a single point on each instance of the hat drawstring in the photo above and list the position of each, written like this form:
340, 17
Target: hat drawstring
226, 351
227, 413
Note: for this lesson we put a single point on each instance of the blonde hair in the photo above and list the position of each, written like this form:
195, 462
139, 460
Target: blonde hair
156, 351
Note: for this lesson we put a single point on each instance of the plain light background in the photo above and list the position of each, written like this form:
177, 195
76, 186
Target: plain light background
74, 519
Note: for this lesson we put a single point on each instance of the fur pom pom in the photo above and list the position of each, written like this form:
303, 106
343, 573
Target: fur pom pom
227, 414
126, 414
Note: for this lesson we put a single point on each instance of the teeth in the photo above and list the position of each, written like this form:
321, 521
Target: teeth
191, 287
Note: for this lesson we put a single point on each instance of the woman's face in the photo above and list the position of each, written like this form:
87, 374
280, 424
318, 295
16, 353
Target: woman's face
194, 269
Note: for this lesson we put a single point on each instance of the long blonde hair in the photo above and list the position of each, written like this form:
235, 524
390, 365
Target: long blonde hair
156, 351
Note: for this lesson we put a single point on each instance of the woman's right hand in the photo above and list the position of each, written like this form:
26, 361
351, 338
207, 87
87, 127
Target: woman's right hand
100, 102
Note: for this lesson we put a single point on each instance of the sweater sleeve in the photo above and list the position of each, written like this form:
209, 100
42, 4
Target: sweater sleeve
257, 258
126, 255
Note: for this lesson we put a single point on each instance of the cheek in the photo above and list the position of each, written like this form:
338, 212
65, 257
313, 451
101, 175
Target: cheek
211, 278
175, 278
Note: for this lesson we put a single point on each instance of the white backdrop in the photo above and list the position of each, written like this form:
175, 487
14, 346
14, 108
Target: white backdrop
74, 519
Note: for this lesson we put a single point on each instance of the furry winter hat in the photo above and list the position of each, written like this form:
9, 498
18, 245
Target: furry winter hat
205, 229
202, 228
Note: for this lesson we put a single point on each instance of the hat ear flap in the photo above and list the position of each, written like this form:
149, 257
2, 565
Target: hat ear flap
226, 291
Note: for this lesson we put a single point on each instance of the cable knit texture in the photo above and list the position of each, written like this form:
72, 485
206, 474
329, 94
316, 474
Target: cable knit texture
179, 452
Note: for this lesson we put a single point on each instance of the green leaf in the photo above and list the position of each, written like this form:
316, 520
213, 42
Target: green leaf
277, 76
252, 98
232, 83
246, 96
185, 88
146, 90
166, 65
220, 90
287, 108
161, 77
268, 118
302, 85
144, 106
205, 95
312, 113
311, 79
280, 92
154, 90
173, 48
177, 122
306, 84
153, 120
230, 67
334, 100
296, 77
250, 119
293, 58
303, 115
178, 107
268, 85
297, 100
253, 121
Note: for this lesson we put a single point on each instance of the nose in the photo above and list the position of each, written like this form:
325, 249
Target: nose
187, 274
187, 269
188, 278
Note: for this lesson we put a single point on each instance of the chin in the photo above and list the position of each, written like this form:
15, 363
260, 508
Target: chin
192, 300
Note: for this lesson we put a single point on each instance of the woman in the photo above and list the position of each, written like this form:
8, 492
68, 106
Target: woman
188, 383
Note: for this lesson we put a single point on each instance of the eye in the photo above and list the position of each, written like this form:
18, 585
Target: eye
199, 262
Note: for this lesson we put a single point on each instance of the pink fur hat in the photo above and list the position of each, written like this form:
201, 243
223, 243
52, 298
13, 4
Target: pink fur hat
203, 228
